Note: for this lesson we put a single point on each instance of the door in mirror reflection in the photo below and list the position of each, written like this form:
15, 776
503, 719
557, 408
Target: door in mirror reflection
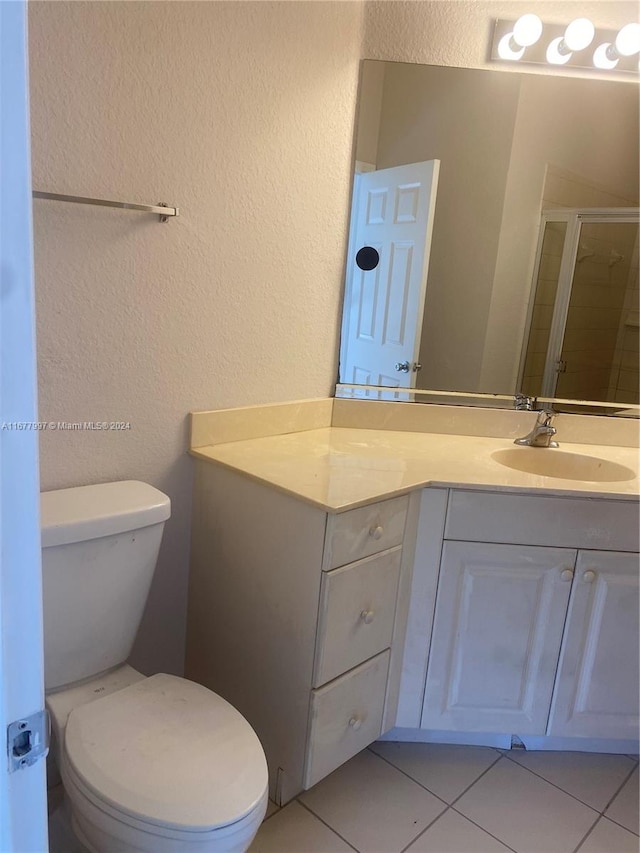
388, 258
583, 336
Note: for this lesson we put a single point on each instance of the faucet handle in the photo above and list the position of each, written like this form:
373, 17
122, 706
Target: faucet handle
545, 417
524, 403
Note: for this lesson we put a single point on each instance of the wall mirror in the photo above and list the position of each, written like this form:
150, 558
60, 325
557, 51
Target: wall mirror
499, 214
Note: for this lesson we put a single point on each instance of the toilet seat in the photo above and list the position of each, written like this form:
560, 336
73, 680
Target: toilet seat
166, 756
104, 829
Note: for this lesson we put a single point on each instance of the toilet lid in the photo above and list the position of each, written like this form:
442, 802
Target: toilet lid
169, 752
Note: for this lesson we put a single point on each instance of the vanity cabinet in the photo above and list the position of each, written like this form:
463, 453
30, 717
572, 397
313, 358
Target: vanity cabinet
535, 640
596, 691
496, 635
297, 617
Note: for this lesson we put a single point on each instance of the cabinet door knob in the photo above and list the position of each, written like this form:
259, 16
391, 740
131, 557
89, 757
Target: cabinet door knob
367, 616
355, 723
589, 576
376, 531
567, 575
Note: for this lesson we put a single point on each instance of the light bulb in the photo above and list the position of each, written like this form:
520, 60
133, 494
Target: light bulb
601, 57
555, 54
506, 50
579, 34
527, 30
628, 40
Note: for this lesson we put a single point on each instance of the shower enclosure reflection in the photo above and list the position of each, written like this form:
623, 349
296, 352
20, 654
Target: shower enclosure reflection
583, 339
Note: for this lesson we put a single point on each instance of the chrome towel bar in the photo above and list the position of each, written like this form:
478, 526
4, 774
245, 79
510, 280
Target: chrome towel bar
163, 210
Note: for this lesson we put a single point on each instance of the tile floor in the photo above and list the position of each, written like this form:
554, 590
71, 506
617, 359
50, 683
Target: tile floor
430, 798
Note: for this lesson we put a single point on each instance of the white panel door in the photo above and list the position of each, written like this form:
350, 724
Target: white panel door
392, 213
23, 803
597, 688
497, 630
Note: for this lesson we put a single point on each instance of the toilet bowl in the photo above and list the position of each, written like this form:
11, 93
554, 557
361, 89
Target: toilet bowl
162, 764
158, 764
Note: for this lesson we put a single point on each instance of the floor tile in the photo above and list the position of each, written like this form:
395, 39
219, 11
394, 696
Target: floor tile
608, 837
525, 812
372, 805
591, 777
445, 770
452, 833
624, 809
294, 830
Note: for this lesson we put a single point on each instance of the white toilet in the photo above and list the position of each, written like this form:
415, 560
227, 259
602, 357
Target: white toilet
157, 764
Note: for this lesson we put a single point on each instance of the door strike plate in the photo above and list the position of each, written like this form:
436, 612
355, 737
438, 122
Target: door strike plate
28, 740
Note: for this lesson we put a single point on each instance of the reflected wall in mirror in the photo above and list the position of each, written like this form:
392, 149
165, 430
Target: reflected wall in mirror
527, 163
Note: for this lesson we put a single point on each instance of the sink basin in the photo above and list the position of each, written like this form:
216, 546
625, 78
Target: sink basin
549, 462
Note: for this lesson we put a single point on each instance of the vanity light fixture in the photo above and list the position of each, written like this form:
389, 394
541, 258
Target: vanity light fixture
578, 44
577, 36
627, 44
525, 32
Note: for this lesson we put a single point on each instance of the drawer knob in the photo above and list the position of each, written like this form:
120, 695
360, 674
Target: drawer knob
376, 531
567, 575
589, 576
367, 616
355, 723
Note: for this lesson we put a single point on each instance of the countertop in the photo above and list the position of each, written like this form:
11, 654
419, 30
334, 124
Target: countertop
338, 469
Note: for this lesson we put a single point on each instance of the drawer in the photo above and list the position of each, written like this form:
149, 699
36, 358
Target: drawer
357, 610
364, 531
605, 525
346, 716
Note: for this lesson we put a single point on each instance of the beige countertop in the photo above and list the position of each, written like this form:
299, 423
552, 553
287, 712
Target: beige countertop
342, 468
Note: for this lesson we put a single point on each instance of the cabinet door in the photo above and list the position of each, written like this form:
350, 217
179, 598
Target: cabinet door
498, 625
596, 693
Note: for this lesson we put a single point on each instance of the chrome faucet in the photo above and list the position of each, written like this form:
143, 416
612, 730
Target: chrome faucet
542, 433
524, 403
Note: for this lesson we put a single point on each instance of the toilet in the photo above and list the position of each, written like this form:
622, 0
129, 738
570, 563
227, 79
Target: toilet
153, 764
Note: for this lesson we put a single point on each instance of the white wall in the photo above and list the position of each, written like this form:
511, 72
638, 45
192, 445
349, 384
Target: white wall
241, 114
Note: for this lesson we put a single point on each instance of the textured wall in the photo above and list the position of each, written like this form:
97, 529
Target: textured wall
242, 115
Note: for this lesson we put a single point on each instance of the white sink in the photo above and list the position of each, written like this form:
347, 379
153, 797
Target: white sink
550, 462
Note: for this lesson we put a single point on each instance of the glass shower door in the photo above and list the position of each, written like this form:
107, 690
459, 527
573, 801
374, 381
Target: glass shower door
599, 353
583, 330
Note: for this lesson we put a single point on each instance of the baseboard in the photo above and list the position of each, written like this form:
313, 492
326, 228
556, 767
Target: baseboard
503, 741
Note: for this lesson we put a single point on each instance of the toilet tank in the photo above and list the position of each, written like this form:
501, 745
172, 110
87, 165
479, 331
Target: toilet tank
99, 550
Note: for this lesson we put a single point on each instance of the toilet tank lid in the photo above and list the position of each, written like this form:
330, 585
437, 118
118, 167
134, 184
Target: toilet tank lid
90, 512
